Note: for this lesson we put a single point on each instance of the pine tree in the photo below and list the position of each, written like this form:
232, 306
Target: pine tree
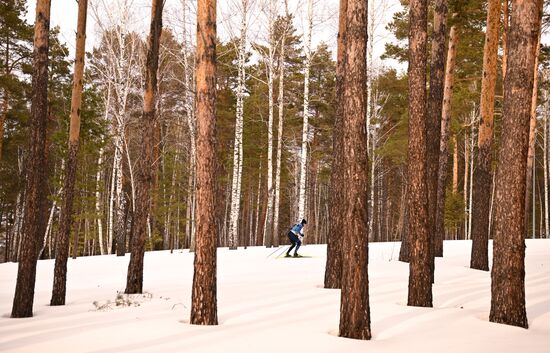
354, 304
33, 223
203, 302
147, 162
333, 269
508, 272
14, 49
420, 283
66, 218
482, 170
433, 122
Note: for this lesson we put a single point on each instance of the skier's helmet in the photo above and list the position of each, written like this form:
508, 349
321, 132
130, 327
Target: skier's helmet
304, 221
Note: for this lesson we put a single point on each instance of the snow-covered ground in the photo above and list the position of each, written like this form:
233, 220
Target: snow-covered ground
272, 305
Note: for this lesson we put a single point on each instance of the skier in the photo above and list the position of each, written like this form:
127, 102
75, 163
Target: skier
295, 235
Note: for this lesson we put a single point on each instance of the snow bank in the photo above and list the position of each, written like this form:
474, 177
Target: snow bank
271, 305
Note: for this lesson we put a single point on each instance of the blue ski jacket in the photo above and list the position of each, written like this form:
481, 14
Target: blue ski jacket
297, 229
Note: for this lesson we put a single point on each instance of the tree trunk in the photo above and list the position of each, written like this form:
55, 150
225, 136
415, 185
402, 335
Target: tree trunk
508, 273
420, 283
532, 134
433, 121
482, 170
466, 179
147, 163
280, 132
99, 213
238, 145
455, 164
333, 268
4, 114
545, 167
305, 126
203, 303
505, 27
66, 218
354, 304
37, 178
444, 143
268, 224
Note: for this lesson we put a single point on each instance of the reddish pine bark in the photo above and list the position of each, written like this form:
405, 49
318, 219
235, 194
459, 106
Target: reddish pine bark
508, 272
354, 304
420, 281
204, 303
482, 180
36, 181
333, 269
444, 142
147, 163
433, 125
66, 218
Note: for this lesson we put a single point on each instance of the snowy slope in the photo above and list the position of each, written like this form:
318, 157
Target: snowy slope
272, 305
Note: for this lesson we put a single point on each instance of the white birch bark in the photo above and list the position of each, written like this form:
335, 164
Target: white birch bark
257, 223
305, 127
268, 231
466, 176
238, 145
472, 143
47, 233
280, 129
533, 190
98, 203
545, 167
120, 71
190, 113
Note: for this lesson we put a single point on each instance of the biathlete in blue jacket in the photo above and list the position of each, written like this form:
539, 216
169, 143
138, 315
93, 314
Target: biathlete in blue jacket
295, 235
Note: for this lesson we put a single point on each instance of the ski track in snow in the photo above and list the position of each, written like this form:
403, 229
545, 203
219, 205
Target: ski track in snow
272, 305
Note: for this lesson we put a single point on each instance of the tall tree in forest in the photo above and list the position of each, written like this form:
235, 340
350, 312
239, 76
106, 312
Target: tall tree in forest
66, 217
147, 164
482, 169
433, 118
238, 144
444, 140
305, 115
532, 122
420, 282
508, 272
333, 268
203, 303
354, 304
34, 219
280, 103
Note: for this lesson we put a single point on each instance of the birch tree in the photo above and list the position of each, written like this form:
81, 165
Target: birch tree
268, 224
118, 66
305, 126
238, 144
280, 126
